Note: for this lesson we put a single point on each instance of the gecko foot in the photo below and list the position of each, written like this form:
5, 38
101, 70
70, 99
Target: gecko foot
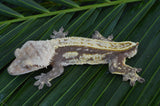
42, 80
59, 34
133, 77
97, 35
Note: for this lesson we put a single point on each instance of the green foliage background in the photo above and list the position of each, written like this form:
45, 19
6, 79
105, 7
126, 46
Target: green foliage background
133, 20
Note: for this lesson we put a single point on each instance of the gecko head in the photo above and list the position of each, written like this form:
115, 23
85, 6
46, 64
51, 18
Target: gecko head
32, 56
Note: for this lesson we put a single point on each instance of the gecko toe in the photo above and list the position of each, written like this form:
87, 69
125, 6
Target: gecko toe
110, 37
61, 29
37, 77
138, 70
125, 78
36, 83
48, 84
141, 80
132, 83
41, 86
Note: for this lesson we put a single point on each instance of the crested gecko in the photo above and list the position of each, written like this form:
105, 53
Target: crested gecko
62, 51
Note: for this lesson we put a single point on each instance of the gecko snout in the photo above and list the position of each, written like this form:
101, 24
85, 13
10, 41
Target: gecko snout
10, 71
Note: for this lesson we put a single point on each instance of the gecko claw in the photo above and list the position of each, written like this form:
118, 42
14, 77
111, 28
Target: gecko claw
41, 81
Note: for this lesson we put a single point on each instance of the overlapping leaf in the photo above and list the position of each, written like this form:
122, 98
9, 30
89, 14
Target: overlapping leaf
82, 85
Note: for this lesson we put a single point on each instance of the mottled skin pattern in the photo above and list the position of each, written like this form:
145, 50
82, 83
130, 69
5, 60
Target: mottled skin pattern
62, 51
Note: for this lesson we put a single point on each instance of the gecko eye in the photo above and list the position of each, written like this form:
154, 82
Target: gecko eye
27, 63
27, 66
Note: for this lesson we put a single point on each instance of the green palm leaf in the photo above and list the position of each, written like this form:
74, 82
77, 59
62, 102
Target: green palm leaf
127, 20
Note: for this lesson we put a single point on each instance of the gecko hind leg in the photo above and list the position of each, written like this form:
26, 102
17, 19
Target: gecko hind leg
59, 34
46, 78
97, 35
118, 66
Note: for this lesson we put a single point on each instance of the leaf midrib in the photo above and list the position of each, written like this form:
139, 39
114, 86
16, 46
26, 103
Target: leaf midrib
70, 10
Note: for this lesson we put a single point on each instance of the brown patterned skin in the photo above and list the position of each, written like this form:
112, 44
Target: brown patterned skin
63, 51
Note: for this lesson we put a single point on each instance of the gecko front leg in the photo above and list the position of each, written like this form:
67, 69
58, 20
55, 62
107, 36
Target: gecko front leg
118, 66
43, 79
59, 34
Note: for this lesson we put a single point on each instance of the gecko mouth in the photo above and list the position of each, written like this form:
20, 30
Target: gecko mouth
33, 66
17, 68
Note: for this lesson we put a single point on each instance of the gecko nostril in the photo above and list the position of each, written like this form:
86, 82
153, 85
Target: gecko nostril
10, 72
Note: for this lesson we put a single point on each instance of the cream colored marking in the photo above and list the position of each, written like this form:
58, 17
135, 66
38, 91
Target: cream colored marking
95, 58
86, 49
70, 54
73, 61
79, 48
89, 59
119, 68
117, 73
92, 43
114, 64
